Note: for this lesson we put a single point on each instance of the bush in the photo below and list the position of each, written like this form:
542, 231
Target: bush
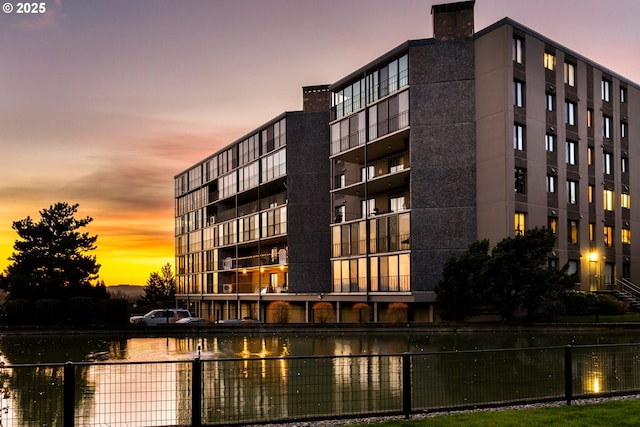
398, 312
114, 312
322, 312
280, 311
580, 303
361, 312
80, 310
18, 312
49, 312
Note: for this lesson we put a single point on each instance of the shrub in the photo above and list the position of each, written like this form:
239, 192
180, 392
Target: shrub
397, 312
18, 312
361, 312
280, 311
49, 312
80, 310
114, 311
322, 312
580, 303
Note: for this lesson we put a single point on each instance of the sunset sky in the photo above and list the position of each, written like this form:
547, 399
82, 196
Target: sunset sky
103, 102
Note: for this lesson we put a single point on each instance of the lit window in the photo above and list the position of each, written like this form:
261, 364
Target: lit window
570, 74
552, 224
606, 90
592, 231
570, 152
518, 137
520, 181
572, 192
518, 99
608, 236
549, 61
590, 190
589, 117
550, 142
624, 165
623, 94
551, 184
519, 221
518, 50
623, 130
589, 156
625, 236
570, 113
550, 102
572, 232
607, 124
625, 200
608, 163
609, 198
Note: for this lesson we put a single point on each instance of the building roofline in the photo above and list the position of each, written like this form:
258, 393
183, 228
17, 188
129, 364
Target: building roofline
550, 42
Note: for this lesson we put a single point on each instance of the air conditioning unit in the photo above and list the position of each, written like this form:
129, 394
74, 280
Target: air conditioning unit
227, 288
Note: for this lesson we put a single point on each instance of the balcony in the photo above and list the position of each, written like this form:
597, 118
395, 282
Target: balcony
383, 174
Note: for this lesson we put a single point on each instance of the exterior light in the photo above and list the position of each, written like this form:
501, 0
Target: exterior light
593, 256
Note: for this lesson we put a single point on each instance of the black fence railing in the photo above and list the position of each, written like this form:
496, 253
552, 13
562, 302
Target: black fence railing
261, 389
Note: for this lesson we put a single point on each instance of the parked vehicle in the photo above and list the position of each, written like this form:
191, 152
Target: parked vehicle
160, 317
238, 321
191, 320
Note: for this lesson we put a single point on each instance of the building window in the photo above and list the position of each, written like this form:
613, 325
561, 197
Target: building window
572, 232
340, 181
518, 50
608, 196
572, 192
608, 236
623, 94
519, 221
340, 213
552, 224
590, 190
570, 152
368, 208
589, 117
570, 113
396, 203
549, 61
606, 90
550, 102
550, 142
551, 183
519, 92
624, 165
520, 181
607, 163
367, 173
625, 236
569, 74
518, 137
590, 156
592, 231
607, 124
625, 200
623, 130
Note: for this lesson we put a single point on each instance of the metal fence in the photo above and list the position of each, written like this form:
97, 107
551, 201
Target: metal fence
256, 389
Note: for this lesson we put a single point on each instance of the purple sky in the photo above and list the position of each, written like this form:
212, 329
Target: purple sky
103, 102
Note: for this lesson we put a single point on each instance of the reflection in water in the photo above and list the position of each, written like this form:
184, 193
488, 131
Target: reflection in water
252, 378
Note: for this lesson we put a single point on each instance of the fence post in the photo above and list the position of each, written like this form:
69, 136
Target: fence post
568, 375
406, 384
196, 393
69, 395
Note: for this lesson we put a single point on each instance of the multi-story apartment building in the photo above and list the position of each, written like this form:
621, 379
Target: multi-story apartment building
433, 145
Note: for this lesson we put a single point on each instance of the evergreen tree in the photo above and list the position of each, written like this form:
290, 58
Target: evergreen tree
161, 287
50, 259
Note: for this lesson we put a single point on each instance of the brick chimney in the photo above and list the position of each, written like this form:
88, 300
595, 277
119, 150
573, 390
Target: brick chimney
453, 21
316, 99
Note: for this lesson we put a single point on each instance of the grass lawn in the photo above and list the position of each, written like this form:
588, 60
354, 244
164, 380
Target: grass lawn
617, 413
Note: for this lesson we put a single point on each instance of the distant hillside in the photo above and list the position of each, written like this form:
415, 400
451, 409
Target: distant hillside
129, 292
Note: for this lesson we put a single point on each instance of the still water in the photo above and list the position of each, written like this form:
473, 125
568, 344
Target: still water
51, 348
252, 388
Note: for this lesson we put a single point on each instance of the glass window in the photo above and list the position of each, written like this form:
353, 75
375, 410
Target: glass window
396, 203
609, 198
607, 123
518, 137
520, 181
623, 94
607, 163
549, 61
550, 102
624, 165
368, 207
572, 192
625, 236
606, 90
590, 190
623, 130
590, 156
518, 99
608, 236
570, 74
518, 50
552, 224
589, 117
572, 231
625, 200
519, 223
570, 113
551, 184
550, 142
570, 152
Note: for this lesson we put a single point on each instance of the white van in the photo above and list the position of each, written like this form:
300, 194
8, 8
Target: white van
160, 317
